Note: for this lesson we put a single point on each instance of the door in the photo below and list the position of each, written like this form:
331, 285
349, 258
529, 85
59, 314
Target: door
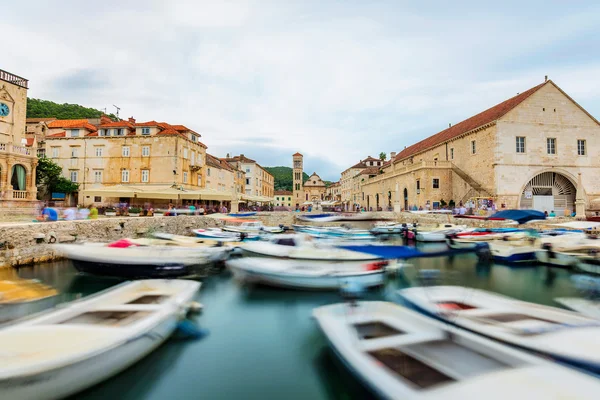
543, 203
405, 199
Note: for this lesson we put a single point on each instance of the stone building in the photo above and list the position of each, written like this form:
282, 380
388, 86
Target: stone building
36, 129
17, 161
350, 186
312, 191
334, 192
538, 149
283, 198
127, 161
259, 184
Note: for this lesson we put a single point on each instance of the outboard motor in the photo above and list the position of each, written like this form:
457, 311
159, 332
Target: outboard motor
243, 235
483, 253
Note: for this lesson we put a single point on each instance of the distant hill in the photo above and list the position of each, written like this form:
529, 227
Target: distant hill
284, 177
37, 108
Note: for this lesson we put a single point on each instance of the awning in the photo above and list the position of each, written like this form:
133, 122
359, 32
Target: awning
161, 194
205, 194
112, 191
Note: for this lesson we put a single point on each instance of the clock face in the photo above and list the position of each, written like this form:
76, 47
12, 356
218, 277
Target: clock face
4, 110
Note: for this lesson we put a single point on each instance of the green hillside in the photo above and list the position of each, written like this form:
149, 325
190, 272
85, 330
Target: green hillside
37, 108
284, 179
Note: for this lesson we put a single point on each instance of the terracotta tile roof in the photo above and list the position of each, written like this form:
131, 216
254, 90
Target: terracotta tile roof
226, 165
29, 142
371, 159
67, 123
33, 120
57, 135
483, 118
297, 154
370, 171
117, 124
149, 123
283, 192
93, 134
361, 164
240, 158
170, 131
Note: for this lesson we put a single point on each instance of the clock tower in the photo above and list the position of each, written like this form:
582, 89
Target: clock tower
298, 190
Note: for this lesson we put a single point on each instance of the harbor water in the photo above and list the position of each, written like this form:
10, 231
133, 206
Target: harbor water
263, 343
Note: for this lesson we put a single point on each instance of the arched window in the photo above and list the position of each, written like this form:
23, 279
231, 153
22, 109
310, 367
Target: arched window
18, 177
306, 196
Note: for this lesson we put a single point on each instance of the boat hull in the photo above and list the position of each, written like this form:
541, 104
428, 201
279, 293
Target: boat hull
322, 282
10, 311
132, 271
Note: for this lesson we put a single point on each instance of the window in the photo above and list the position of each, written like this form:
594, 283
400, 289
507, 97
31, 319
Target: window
473, 147
520, 143
125, 175
74, 132
208, 172
192, 158
74, 152
277, 198
436, 183
452, 153
118, 132
74, 176
55, 152
194, 138
247, 169
581, 147
551, 145
185, 176
99, 151
98, 176
247, 181
125, 151
145, 131
97, 199
103, 132
185, 153
145, 151
146, 175
199, 180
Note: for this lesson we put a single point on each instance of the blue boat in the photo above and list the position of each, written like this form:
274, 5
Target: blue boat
242, 214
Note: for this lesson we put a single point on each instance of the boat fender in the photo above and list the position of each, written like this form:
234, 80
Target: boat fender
187, 329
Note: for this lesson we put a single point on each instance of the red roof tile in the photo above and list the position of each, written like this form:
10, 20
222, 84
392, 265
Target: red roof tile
476, 121
149, 123
370, 171
92, 134
29, 142
33, 120
67, 123
297, 154
359, 165
117, 124
58, 134
283, 192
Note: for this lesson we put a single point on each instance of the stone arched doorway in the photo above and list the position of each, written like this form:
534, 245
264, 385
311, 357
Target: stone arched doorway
18, 179
405, 199
549, 191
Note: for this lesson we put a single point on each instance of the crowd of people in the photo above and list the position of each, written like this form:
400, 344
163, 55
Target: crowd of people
50, 214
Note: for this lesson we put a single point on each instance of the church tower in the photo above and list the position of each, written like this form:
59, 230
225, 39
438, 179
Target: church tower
298, 191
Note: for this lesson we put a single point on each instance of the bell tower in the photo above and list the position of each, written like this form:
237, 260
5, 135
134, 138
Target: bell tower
298, 191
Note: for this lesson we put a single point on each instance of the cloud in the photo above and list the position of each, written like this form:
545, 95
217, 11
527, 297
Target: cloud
335, 81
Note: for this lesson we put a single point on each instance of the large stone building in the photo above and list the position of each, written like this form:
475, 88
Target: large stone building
128, 161
312, 191
539, 149
350, 181
259, 183
17, 160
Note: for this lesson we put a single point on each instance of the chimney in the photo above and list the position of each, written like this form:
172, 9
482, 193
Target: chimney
449, 125
131, 120
105, 120
241, 155
392, 155
545, 78
228, 155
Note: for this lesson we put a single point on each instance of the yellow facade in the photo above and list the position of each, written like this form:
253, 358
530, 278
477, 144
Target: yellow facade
17, 161
142, 155
258, 182
283, 198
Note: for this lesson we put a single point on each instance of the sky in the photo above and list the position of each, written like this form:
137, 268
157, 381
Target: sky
335, 80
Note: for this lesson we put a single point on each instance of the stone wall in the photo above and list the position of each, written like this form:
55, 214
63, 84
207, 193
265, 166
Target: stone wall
19, 242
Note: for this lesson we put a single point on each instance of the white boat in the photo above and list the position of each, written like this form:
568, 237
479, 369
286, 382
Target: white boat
589, 308
318, 218
298, 274
402, 355
563, 335
68, 349
133, 261
572, 251
390, 228
302, 247
513, 252
252, 227
214, 250
439, 234
216, 234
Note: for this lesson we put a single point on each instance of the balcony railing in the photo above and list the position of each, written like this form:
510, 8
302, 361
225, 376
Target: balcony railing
14, 79
19, 194
15, 149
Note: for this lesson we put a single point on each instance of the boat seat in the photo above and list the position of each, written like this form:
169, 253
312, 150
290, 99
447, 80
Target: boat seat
401, 340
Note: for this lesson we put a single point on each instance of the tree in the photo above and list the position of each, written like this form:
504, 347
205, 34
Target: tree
284, 177
382, 156
37, 108
49, 178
